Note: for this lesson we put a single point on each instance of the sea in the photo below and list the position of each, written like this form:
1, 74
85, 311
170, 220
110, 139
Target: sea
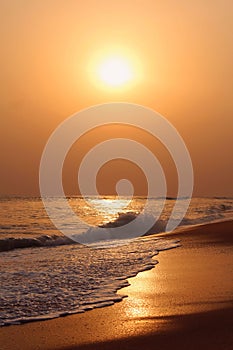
45, 274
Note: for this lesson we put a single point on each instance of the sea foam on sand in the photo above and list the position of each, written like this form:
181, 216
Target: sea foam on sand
47, 282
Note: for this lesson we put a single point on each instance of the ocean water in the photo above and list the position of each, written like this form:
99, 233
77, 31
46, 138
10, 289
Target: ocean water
54, 276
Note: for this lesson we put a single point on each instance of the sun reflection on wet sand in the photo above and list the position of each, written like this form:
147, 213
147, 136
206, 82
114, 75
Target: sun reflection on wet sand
170, 290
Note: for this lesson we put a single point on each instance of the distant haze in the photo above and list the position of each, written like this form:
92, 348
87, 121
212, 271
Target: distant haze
184, 50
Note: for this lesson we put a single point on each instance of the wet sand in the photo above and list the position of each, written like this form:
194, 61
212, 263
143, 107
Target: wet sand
185, 302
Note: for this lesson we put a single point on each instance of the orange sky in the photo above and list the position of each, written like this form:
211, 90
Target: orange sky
184, 54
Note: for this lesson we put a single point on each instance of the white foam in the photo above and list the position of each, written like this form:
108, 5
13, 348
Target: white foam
39, 284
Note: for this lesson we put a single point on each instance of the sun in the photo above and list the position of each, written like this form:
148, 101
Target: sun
115, 71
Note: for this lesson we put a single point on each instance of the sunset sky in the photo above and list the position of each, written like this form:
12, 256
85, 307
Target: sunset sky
180, 56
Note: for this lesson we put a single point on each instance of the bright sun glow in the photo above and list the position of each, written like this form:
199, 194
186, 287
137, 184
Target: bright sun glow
115, 71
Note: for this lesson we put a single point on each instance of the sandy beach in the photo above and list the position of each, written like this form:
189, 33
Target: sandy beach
185, 302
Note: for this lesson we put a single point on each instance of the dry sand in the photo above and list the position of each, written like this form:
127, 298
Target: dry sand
185, 302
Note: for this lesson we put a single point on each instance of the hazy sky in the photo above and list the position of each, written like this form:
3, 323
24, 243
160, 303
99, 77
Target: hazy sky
182, 52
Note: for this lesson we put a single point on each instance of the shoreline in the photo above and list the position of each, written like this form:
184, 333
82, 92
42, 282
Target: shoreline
184, 302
